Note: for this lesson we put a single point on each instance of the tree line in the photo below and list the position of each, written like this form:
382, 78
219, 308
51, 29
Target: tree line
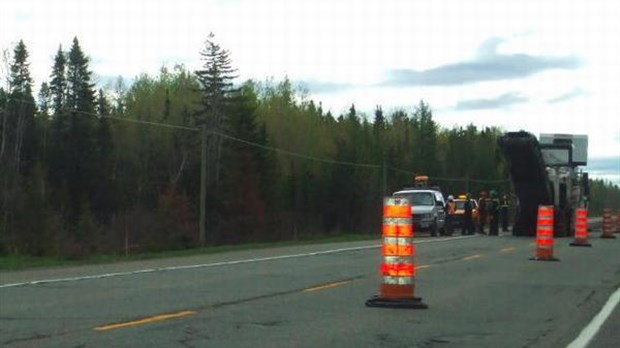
86, 170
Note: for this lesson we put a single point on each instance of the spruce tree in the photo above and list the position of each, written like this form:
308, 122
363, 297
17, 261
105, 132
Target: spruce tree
426, 138
216, 79
58, 83
80, 151
58, 136
80, 89
379, 124
241, 164
21, 110
103, 190
18, 142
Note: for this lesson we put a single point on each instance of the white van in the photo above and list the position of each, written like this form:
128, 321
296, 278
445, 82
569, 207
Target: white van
427, 209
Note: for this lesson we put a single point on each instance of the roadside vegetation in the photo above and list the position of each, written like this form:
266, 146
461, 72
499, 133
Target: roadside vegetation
86, 172
15, 262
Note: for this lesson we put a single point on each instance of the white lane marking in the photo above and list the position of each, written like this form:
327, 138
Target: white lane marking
588, 333
214, 264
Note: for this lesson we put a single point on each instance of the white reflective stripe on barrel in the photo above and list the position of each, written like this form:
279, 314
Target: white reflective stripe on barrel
398, 240
397, 280
397, 259
396, 221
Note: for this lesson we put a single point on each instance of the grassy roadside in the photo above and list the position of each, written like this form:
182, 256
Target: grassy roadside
15, 262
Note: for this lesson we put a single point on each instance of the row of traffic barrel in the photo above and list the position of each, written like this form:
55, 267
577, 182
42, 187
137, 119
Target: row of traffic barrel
397, 270
544, 230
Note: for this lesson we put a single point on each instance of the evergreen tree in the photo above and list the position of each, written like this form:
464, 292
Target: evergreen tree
56, 162
4, 117
426, 139
79, 149
44, 101
58, 83
379, 121
80, 89
18, 141
216, 81
241, 184
104, 186
215, 78
21, 110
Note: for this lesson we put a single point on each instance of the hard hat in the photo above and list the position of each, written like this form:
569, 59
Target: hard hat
450, 197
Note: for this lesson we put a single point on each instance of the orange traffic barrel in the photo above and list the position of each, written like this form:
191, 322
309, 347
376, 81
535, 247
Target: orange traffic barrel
618, 222
544, 234
397, 268
607, 224
581, 228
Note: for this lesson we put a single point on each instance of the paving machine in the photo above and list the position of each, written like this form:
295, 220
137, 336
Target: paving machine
546, 171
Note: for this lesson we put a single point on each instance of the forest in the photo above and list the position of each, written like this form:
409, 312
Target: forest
87, 170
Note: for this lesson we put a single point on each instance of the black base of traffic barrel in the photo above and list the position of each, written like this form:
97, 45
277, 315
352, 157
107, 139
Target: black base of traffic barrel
580, 244
543, 259
412, 303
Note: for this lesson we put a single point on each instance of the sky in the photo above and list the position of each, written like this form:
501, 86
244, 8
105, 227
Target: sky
548, 66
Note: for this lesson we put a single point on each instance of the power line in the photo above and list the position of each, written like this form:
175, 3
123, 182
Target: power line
150, 123
264, 147
279, 150
296, 154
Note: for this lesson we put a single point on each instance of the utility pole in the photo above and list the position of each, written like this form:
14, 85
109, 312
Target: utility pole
203, 186
384, 178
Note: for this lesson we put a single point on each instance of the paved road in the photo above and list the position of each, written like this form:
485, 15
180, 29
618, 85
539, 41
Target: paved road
481, 291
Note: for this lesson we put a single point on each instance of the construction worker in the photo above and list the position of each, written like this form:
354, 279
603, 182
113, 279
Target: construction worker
483, 211
468, 223
493, 210
450, 210
503, 210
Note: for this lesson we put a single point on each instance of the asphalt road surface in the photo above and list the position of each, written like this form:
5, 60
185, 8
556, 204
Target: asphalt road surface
481, 291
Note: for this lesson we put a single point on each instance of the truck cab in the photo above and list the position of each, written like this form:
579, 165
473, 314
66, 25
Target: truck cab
427, 208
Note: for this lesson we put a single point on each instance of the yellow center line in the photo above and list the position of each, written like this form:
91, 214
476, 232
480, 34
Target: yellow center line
477, 256
505, 250
146, 320
533, 244
327, 286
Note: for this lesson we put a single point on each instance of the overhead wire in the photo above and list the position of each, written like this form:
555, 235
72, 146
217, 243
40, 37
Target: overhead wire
229, 137
279, 150
296, 154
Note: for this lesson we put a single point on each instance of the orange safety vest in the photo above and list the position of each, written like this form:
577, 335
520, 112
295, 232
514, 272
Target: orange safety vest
451, 207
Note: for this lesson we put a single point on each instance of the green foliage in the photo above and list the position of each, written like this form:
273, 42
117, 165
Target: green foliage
603, 194
216, 81
118, 171
73, 165
18, 143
